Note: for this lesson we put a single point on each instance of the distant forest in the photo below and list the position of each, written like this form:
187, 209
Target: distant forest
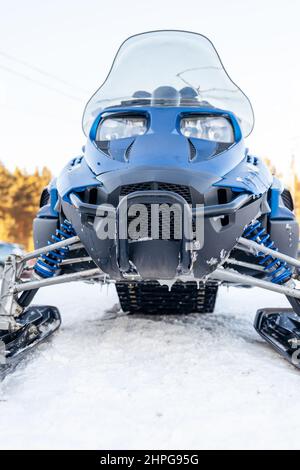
19, 201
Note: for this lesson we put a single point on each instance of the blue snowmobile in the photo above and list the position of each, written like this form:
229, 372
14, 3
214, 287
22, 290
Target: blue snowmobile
165, 201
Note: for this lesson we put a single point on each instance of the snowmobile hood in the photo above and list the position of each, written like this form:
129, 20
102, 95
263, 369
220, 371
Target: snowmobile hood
169, 68
162, 145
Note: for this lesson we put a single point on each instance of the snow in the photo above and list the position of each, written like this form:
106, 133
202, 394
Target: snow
107, 380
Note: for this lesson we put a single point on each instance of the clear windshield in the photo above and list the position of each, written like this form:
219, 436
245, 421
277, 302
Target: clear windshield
169, 68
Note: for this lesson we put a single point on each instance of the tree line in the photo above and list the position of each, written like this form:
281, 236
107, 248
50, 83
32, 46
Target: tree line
19, 201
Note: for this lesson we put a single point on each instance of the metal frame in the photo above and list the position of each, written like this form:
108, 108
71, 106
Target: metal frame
10, 309
216, 210
256, 248
45, 249
233, 277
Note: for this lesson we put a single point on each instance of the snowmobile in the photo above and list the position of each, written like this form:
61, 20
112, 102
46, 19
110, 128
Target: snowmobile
165, 201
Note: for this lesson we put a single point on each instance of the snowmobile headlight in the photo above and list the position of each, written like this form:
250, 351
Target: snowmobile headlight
215, 128
121, 127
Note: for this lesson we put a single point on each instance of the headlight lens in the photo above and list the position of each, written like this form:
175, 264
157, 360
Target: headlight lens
121, 128
217, 129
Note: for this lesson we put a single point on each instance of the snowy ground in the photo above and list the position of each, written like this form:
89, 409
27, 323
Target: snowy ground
107, 380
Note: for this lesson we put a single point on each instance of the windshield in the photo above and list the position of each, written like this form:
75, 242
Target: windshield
169, 68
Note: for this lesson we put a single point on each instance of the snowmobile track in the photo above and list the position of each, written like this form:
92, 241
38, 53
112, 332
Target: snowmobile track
152, 298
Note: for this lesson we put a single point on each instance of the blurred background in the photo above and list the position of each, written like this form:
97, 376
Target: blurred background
53, 56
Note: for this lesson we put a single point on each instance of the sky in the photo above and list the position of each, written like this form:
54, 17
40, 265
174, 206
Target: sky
55, 54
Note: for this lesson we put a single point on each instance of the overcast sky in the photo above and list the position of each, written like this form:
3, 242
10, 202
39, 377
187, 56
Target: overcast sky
54, 54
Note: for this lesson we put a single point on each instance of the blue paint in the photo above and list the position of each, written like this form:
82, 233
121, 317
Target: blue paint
163, 147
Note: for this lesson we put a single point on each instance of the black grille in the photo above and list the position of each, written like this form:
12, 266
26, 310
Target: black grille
127, 153
164, 228
169, 228
45, 197
183, 191
193, 151
287, 199
131, 188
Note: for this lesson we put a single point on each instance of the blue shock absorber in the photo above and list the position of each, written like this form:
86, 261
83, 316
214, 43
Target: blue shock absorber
48, 264
278, 271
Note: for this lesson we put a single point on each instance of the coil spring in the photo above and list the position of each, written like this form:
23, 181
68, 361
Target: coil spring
278, 271
48, 264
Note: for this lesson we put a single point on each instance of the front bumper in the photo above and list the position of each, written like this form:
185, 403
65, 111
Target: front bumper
158, 258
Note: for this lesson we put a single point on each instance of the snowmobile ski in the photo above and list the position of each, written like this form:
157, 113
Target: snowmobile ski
38, 323
280, 327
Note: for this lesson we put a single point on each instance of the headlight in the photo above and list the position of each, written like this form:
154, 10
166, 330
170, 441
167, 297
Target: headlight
121, 128
218, 129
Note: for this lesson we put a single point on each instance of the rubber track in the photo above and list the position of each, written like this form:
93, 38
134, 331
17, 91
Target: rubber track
152, 298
